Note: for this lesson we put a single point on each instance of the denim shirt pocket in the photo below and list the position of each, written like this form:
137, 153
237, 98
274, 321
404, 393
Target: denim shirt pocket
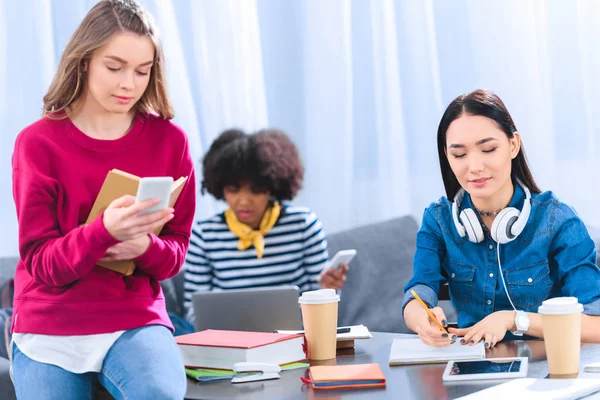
460, 280
529, 286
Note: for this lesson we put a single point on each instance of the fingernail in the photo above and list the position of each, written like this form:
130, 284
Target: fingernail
454, 337
453, 341
444, 323
487, 345
444, 335
462, 341
472, 341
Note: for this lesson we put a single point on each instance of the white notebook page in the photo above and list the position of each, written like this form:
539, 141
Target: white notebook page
414, 351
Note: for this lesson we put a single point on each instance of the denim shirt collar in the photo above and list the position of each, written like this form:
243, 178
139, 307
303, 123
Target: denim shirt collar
517, 200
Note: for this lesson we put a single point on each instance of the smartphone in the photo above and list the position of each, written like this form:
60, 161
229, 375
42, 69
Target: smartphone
155, 188
341, 257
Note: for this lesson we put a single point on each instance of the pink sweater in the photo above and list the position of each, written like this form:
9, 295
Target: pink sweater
57, 173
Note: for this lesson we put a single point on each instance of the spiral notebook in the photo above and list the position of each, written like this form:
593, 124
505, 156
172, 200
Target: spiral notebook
414, 351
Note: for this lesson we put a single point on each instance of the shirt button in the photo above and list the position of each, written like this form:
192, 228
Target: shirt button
529, 280
489, 302
491, 246
491, 275
453, 275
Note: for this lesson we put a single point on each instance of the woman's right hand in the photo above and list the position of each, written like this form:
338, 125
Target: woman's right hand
122, 220
428, 331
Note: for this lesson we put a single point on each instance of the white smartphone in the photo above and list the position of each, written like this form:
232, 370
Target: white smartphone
341, 257
491, 368
155, 188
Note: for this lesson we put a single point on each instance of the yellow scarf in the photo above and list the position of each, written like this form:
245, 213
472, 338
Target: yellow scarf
249, 236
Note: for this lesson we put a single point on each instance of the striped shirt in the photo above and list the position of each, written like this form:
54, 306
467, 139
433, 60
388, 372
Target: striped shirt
295, 254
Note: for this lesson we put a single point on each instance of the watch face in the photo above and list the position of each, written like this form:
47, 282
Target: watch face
523, 321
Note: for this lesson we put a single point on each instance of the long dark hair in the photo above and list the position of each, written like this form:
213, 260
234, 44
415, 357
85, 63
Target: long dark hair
487, 104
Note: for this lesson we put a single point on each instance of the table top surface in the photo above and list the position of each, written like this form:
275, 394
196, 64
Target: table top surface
403, 382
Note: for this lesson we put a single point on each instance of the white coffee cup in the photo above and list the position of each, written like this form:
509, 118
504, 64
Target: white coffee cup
319, 315
561, 323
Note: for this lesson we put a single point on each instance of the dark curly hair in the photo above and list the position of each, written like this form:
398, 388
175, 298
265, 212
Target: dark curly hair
267, 160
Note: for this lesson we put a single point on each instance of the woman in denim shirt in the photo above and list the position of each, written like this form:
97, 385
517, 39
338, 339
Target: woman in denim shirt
480, 151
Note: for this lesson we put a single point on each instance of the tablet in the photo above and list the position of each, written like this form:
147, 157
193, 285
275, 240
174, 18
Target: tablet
491, 368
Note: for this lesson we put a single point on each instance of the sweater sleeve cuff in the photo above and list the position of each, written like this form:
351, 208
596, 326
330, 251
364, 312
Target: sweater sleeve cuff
427, 294
102, 240
152, 253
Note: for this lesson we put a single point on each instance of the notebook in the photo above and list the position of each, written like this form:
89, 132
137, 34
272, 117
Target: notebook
356, 332
117, 184
414, 351
222, 349
530, 389
356, 376
595, 367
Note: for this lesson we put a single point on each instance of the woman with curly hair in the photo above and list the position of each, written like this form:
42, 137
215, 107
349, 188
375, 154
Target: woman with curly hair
259, 241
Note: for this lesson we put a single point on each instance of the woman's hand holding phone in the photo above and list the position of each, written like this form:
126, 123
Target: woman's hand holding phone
123, 221
333, 278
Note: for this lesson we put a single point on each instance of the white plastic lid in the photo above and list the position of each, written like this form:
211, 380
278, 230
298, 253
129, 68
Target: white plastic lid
560, 305
321, 296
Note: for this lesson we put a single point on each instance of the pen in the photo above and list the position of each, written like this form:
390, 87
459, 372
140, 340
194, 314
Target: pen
431, 316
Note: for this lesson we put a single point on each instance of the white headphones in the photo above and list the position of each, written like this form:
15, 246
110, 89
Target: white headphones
507, 225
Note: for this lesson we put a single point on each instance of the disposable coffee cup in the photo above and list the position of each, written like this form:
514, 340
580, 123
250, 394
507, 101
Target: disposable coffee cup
319, 316
561, 323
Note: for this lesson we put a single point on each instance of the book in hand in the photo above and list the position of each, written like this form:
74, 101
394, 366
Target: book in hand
119, 183
414, 351
354, 376
221, 349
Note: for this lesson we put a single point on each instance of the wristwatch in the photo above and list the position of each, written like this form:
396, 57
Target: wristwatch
522, 323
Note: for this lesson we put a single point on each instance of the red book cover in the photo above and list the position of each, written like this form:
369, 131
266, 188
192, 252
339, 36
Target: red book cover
232, 339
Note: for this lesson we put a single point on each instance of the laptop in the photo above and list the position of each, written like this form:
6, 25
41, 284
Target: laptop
257, 310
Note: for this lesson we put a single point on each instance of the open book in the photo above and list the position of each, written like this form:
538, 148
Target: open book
414, 351
117, 184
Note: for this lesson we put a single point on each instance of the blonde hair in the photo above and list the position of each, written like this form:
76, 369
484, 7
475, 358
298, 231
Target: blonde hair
106, 18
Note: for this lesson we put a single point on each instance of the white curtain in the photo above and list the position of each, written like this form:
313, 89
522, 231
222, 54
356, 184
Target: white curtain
359, 85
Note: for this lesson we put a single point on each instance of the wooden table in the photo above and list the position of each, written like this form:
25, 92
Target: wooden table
403, 382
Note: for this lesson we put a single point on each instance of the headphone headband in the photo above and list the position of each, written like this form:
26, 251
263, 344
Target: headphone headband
507, 225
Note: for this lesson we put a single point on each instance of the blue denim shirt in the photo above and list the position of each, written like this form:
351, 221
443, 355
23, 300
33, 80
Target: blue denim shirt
553, 256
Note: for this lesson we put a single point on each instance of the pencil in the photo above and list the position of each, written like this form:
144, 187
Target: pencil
431, 316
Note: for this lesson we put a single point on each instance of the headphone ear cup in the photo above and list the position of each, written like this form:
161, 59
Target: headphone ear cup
501, 227
472, 225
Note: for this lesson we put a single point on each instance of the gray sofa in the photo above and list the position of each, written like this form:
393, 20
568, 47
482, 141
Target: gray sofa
372, 294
